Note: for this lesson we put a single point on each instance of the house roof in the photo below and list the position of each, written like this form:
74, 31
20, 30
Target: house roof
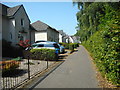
40, 26
32, 28
9, 11
61, 32
12, 10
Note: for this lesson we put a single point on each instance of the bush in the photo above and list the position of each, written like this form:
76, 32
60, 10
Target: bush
66, 45
9, 65
43, 54
76, 45
9, 51
71, 47
27, 53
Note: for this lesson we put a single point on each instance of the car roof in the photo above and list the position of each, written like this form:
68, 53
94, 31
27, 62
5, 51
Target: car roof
45, 43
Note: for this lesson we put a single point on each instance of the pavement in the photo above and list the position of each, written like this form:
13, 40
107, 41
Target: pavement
75, 72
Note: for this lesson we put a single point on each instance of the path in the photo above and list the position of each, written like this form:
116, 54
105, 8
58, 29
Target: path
76, 72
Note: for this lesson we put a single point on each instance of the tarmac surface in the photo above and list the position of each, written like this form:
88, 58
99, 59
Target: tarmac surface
75, 72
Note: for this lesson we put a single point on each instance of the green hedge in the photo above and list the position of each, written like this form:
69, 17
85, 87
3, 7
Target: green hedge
71, 47
68, 45
43, 54
105, 52
76, 45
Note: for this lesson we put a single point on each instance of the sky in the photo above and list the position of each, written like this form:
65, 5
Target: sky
59, 15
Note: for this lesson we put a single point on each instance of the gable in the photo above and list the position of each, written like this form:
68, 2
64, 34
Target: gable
40, 26
12, 12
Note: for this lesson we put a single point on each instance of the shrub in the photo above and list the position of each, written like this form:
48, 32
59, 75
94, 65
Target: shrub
66, 45
43, 54
9, 65
76, 45
27, 53
24, 44
71, 47
9, 51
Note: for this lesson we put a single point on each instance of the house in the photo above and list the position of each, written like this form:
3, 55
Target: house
62, 36
45, 32
16, 24
74, 39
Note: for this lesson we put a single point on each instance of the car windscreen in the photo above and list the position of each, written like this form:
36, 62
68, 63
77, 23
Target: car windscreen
56, 45
40, 45
34, 45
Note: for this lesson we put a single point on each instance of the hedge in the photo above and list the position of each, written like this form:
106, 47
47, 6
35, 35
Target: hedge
41, 54
67, 45
71, 47
76, 45
105, 51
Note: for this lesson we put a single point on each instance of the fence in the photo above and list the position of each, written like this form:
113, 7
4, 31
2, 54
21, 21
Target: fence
14, 73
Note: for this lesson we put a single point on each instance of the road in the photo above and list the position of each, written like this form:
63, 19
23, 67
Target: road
76, 72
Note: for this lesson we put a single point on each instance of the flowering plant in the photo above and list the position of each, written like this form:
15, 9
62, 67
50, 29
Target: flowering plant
10, 64
24, 44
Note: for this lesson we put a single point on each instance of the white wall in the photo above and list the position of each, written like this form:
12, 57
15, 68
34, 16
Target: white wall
60, 38
40, 36
71, 40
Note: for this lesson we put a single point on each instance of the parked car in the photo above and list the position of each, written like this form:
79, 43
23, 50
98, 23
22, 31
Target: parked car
48, 45
62, 48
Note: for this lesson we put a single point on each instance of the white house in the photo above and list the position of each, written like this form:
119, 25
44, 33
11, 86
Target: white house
45, 32
16, 24
74, 39
62, 36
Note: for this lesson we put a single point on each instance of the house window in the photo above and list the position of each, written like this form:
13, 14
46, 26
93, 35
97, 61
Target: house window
22, 22
20, 37
10, 35
13, 22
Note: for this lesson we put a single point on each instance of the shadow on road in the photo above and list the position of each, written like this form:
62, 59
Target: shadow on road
75, 50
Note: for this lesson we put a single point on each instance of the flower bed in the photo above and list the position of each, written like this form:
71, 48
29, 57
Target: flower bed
9, 65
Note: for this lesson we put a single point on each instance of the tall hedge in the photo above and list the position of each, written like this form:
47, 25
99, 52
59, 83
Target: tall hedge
99, 29
104, 46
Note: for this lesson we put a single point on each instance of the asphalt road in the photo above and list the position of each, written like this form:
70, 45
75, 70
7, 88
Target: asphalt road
76, 72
